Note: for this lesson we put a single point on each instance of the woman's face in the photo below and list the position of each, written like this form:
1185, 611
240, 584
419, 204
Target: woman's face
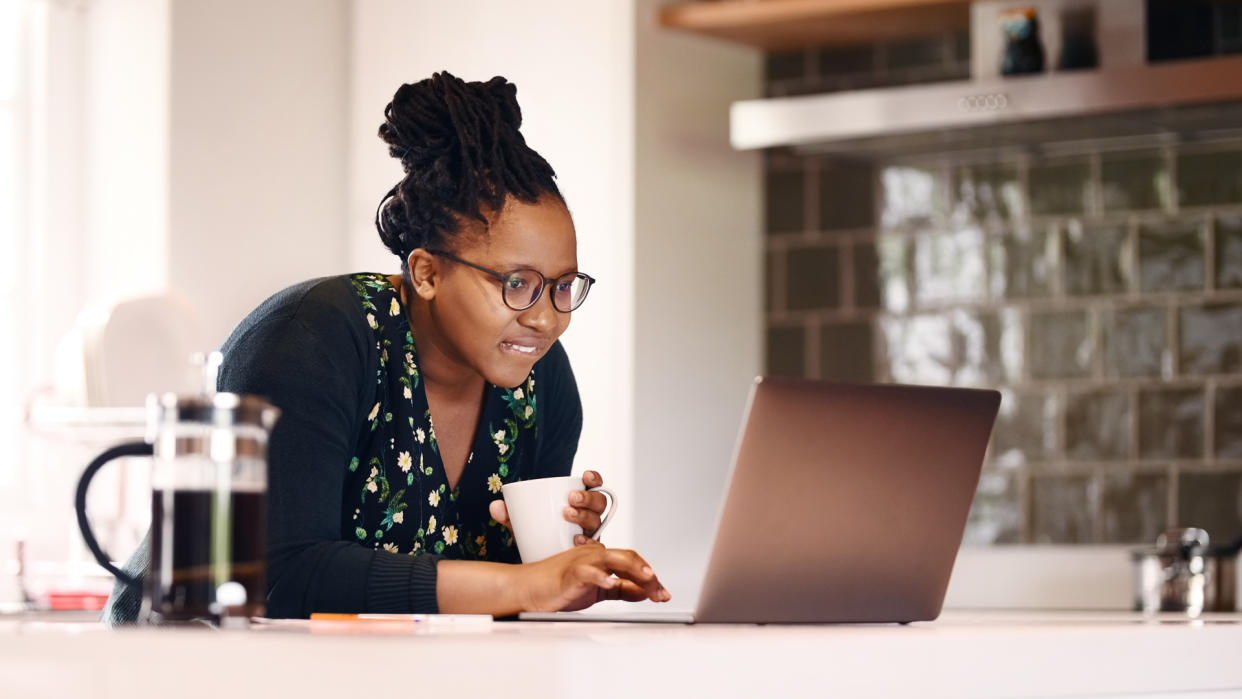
476, 327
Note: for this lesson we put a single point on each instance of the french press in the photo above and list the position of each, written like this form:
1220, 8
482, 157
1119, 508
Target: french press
208, 504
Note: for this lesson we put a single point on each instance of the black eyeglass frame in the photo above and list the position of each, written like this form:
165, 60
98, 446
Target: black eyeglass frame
503, 278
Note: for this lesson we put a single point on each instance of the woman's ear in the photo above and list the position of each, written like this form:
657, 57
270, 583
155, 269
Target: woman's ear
424, 271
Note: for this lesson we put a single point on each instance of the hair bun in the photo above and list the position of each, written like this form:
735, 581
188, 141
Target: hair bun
436, 115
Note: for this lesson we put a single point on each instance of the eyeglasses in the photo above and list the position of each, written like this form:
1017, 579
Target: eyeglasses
523, 288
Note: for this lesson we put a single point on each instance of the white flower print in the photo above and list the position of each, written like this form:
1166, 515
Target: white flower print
374, 472
371, 321
420, 435
390, 547
398, 517
499, 437
530, 385
431, 525
529, 410
371, 486
517, 395
417, 546
433, 498
374, 412
450, 535
493, 483
394, 308
502, 448
407, 393
405, 461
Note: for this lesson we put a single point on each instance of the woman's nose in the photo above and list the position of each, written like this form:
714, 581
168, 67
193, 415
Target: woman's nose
542, 315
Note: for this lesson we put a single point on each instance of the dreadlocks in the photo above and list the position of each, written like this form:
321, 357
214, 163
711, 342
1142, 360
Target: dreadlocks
462, 154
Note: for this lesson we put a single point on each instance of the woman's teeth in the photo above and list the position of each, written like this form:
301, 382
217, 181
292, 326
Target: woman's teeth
520, 349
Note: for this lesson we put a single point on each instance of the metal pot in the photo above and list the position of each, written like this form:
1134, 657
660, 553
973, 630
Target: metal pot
1182, 573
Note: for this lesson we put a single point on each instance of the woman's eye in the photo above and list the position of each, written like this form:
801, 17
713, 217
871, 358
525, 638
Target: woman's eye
564, 287
516, 283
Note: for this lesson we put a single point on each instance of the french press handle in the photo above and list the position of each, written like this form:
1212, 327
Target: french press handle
116, 452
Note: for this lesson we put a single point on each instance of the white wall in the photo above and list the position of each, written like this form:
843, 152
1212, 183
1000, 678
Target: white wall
698, 306
127, 76
256, 157
572, 63
215, 150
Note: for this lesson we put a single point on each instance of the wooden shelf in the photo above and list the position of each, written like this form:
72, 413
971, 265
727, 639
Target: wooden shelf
774, 25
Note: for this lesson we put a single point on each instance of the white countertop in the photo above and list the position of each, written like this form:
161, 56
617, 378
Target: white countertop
994, 654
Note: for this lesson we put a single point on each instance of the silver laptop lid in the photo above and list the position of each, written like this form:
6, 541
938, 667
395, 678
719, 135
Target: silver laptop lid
846, 502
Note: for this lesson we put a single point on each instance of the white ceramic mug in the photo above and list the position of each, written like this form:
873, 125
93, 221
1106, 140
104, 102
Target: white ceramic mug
536, 513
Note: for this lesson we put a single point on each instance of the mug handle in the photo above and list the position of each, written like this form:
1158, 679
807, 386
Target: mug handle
612, 509
126, 449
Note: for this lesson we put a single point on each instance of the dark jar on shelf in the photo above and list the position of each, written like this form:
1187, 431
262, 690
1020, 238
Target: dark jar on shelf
1024, 54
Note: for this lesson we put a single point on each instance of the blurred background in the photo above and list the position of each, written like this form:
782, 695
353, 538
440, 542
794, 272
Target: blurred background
1043, 197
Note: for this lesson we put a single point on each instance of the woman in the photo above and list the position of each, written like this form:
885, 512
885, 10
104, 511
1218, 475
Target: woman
409, 399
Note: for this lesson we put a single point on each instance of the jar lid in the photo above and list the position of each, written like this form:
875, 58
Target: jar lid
216, 410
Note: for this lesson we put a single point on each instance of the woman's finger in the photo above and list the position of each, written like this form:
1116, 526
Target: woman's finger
629, 565
627, 591
593, 575
588, 520
499, 512
592, 479
586, 500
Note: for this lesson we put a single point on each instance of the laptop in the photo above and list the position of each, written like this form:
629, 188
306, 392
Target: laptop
845, 503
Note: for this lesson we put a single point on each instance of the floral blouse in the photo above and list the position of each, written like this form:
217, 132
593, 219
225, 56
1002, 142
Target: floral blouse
397, 485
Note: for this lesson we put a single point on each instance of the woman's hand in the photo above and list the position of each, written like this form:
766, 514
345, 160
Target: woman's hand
584, 508
580, 577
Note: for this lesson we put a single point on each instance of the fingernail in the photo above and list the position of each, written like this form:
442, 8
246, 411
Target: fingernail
666, 596
576, 498
646, 569
570, 513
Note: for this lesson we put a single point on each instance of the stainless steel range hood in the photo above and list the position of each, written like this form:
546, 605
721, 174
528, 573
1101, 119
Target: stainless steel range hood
1190, 97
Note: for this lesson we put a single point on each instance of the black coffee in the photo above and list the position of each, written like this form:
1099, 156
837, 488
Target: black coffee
213, 542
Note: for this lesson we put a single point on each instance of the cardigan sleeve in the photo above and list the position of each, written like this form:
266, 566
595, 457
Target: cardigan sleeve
312, 360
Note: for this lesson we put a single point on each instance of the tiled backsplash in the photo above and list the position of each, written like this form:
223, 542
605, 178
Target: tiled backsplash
1100, 290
